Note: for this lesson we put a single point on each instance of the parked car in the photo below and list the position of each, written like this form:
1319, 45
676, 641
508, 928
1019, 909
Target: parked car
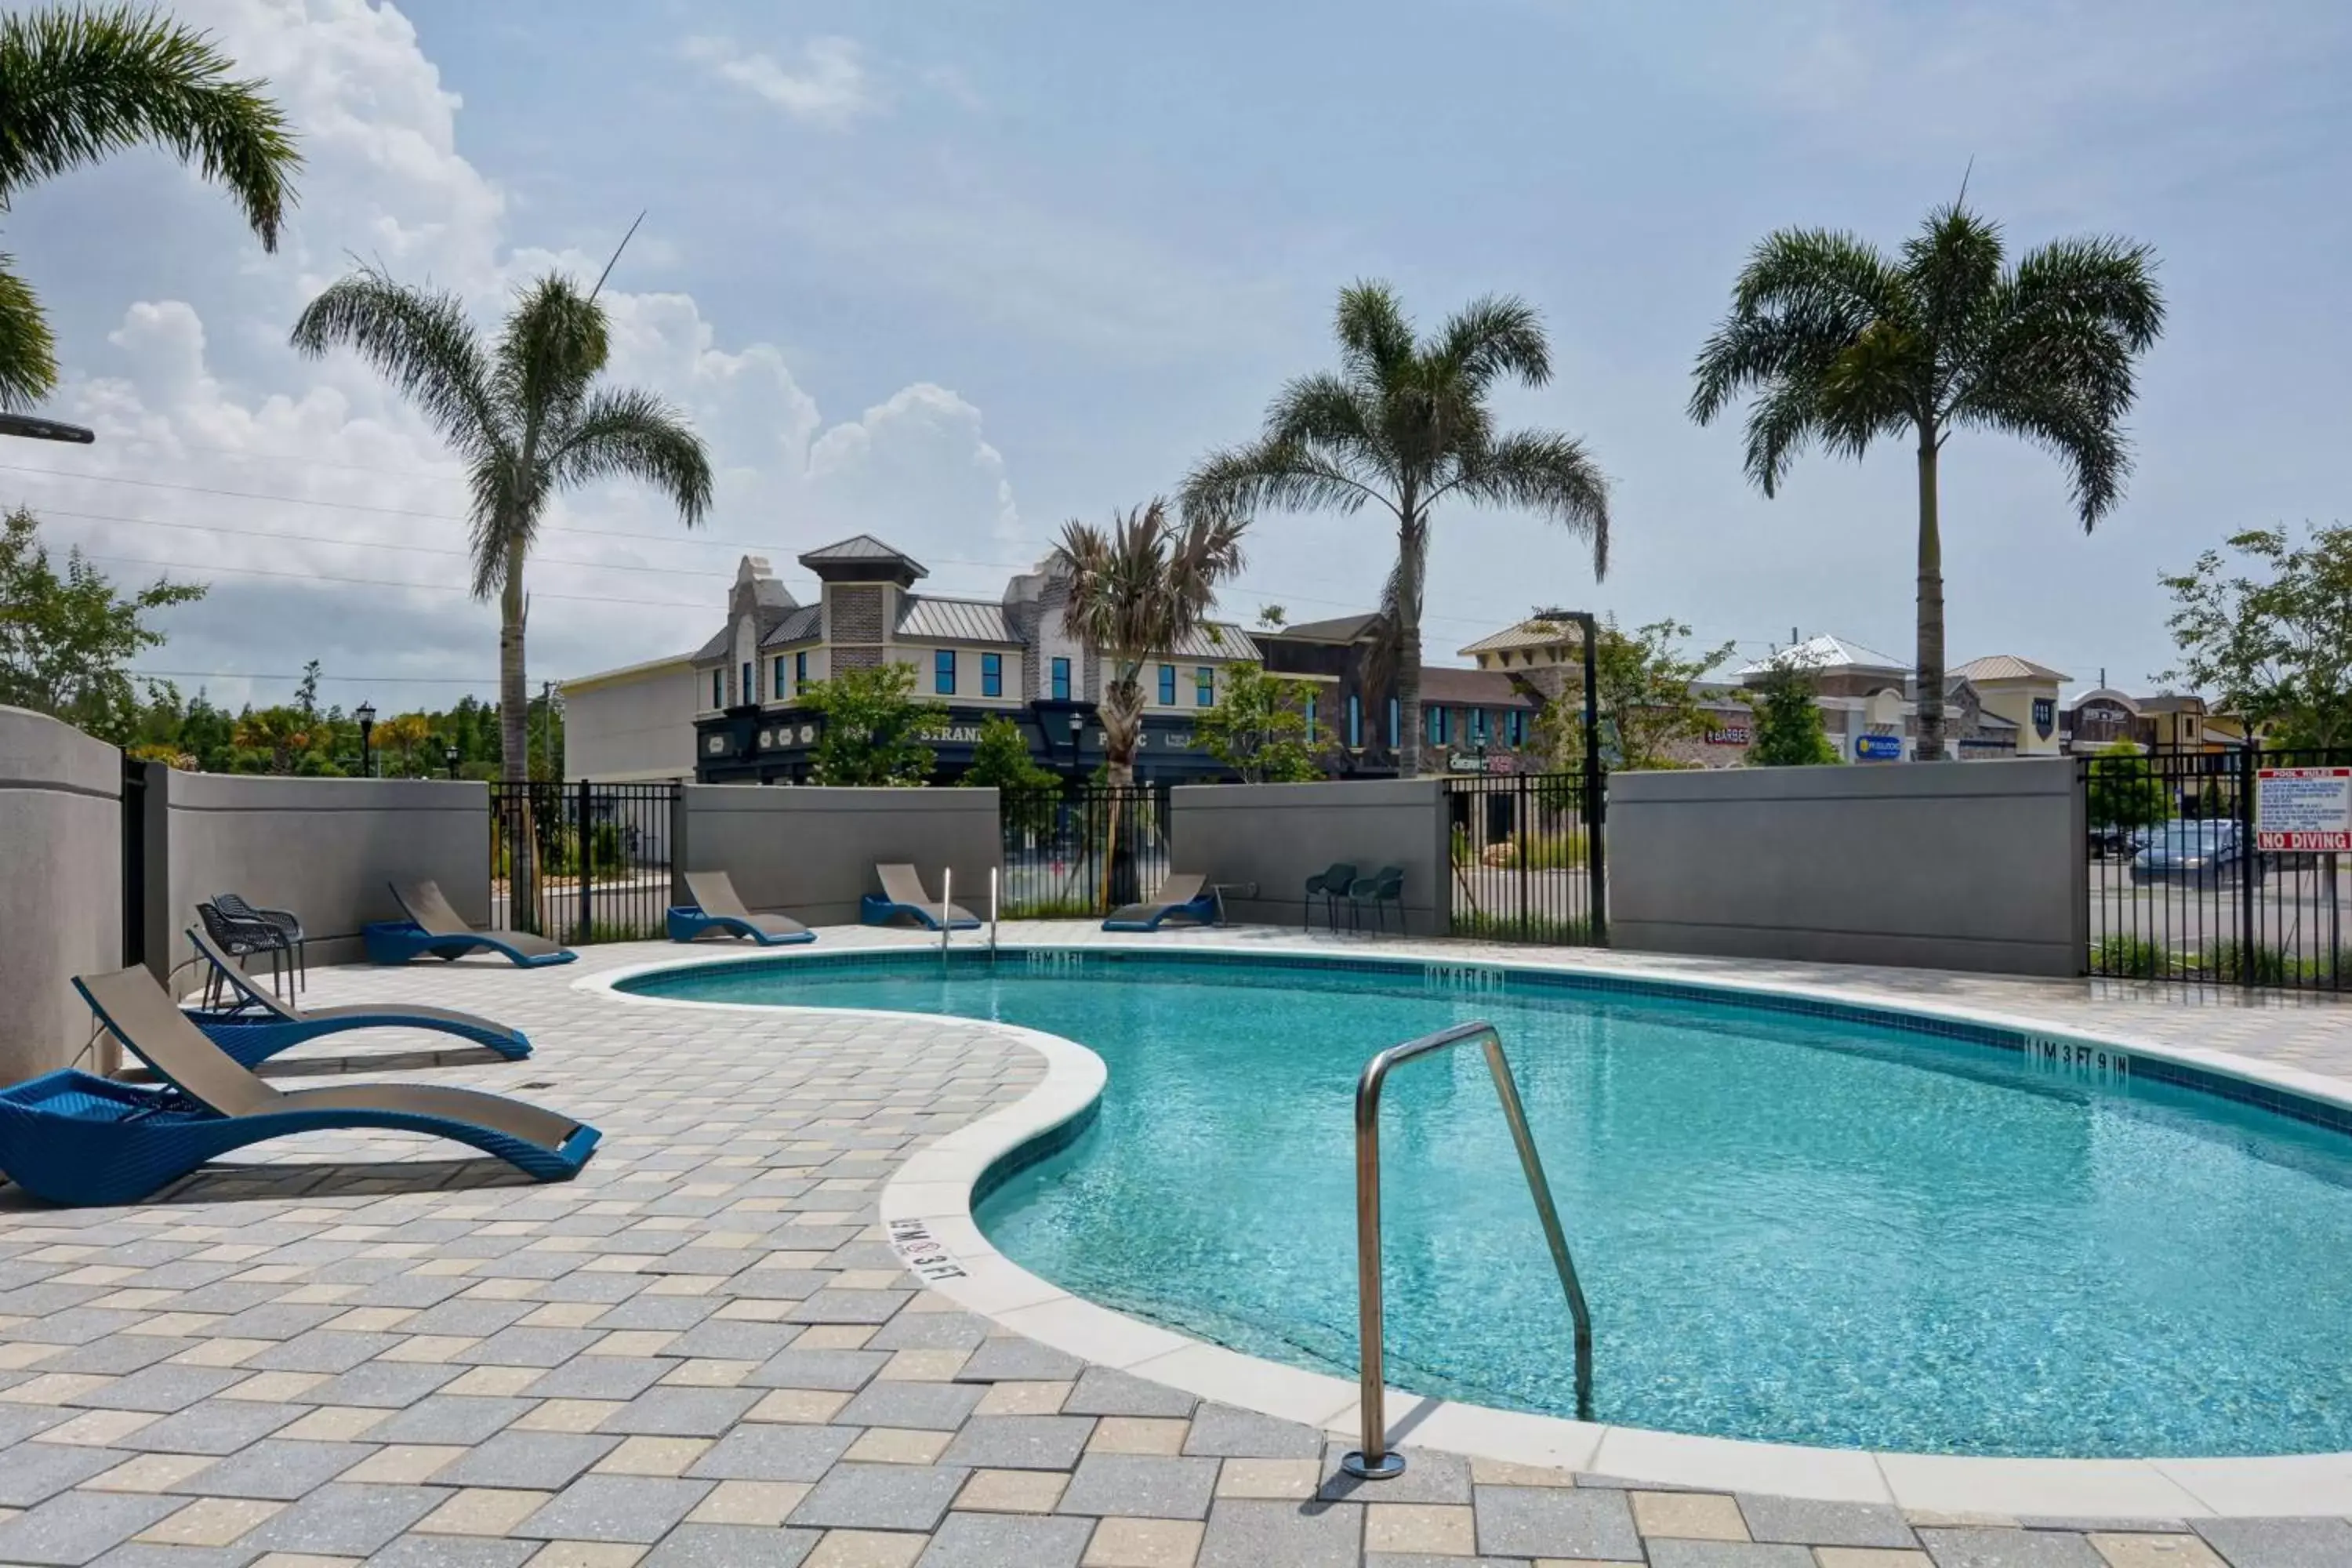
2112, 842
2195, 849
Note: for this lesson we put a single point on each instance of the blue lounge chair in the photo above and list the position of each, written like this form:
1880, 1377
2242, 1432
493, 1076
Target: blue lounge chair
1183, 895
718, 911
256, 1026
902, 895
71, 1138
433, 929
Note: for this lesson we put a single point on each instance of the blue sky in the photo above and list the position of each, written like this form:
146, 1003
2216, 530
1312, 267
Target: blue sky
954, 274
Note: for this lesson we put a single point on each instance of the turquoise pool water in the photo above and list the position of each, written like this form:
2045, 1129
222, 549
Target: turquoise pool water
1790, 1227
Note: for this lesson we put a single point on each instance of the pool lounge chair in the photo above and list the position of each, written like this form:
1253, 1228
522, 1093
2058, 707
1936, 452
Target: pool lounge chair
902, 894
434, 928
1184, 893
72, 1137
256, 1026
716, 907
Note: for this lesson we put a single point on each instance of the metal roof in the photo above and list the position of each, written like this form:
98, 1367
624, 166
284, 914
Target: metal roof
1825, 652
923, 618
1533, 632
2007, 667
768, 617
803, 625
860, 547
1216, 640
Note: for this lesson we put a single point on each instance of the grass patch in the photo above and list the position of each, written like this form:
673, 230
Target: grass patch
2130, 958
1556, 930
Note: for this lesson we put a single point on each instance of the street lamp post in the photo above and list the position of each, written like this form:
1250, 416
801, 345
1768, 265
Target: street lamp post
365, 714
449, 755
33, 430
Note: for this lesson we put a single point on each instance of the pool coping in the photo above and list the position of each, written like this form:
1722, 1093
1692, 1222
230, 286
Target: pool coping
925, 1213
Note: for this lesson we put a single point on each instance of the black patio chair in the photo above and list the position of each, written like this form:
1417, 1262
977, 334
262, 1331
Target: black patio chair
1382, 888
1333, 885
282, 923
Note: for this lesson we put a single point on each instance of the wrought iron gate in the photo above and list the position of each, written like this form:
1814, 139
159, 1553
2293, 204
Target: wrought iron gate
581, 862
1530, 857
1082, 852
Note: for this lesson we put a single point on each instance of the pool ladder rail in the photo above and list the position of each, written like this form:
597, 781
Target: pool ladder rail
1375, 1460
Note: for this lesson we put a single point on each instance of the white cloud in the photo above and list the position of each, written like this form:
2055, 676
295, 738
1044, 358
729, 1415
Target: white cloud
826, 85
330, 518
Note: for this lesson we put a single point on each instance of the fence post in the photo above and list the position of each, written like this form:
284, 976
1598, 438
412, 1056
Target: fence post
586, 856
678, 818
2249, 765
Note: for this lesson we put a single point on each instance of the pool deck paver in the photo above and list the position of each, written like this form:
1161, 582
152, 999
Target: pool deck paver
362, 1348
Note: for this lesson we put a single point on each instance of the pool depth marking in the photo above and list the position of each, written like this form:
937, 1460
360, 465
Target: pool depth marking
921, 1251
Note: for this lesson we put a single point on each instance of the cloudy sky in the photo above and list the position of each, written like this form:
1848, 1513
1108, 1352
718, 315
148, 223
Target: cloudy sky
953, 273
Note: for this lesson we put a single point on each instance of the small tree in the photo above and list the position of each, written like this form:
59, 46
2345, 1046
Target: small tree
1259, 728
66, 639
1643, 683
2275, 646
876, 732
1787, 731
1001, 760
2125, 793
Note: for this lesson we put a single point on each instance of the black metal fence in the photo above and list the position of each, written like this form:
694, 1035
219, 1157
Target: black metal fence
1083, 851
2218, 865
1530, 857
581, 862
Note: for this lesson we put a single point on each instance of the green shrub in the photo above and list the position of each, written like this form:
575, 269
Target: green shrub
2131, 957
2250, 963
1504, 926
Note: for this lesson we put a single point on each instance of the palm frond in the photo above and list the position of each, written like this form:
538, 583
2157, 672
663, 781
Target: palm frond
1375, 334
418, 340
1550, 474
634, 434
1323, 410
1880, 384
29, 362
78, 84
1804, 296
1953, 265
2099, 279
1495, 335
1145, 583
1286, 476
555, 343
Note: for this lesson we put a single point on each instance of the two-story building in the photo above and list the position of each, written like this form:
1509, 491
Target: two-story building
1009, 656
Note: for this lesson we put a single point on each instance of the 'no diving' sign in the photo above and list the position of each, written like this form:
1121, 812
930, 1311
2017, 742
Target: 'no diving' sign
2302, 810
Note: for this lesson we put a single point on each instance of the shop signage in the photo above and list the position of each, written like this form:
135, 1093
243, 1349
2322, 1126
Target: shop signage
1728, 735
2302, 810
2045, 715
1878, 748
1466, 762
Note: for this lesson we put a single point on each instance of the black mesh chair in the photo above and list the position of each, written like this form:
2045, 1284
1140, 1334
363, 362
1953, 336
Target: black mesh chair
1332, 885
278, 933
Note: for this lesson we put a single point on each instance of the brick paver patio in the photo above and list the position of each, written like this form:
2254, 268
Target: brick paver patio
703, 1352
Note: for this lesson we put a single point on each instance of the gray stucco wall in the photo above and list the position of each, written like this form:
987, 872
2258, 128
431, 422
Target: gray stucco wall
1973, 866
811, 853
60, 889
324, 849
632, 726
1277, 836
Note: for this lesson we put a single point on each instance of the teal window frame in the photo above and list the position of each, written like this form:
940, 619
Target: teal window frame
944, 672
991, 675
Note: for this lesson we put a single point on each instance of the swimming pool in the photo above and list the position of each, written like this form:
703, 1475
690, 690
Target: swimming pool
1795, 1222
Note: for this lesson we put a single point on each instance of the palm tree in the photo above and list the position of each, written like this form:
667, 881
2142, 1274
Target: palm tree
526, 419
77, 85
1137, 588
1404, 423
1843, 344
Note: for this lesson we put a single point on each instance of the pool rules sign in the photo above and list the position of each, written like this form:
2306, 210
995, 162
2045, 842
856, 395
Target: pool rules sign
2305, 810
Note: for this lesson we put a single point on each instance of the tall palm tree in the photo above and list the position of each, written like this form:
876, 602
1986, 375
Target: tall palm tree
1137, 588
1843, 344
1403, 423
77, 85
525, 418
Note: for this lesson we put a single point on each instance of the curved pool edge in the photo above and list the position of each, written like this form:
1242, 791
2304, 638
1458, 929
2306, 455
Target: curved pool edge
925, 1211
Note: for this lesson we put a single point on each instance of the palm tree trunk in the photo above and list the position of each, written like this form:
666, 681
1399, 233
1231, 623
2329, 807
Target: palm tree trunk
1930, 652
514, 761
1407, 609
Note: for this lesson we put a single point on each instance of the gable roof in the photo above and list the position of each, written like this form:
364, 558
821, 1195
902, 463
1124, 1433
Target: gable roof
2007, 667
806, 624
860, 548
1447, 686
767, 617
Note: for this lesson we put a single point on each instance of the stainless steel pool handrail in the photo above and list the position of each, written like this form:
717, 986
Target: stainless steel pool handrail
1374, 1461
